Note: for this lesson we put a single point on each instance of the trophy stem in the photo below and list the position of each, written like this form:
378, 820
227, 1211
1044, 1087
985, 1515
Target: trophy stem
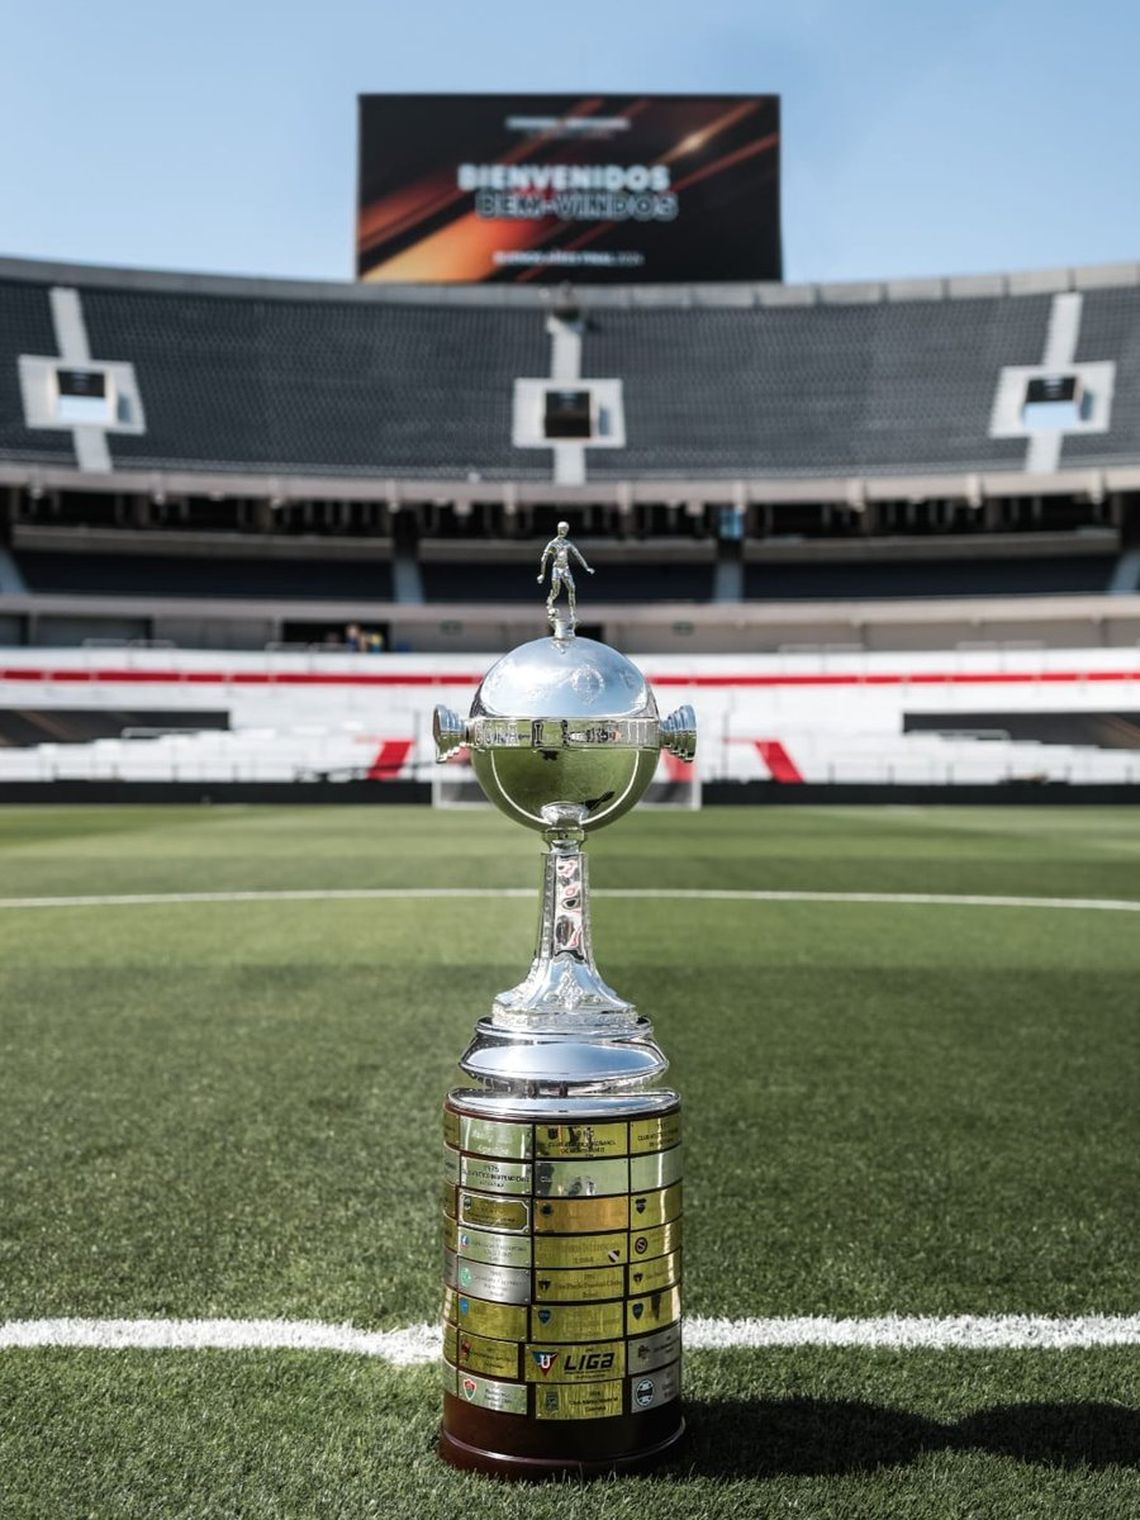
563, 979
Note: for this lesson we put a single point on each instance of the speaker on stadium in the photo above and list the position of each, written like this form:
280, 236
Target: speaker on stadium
568, 414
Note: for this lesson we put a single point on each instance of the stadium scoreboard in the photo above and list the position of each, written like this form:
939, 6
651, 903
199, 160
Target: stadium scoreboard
549, 188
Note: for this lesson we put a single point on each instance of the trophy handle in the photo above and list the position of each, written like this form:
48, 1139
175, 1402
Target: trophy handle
448, 730
679, 733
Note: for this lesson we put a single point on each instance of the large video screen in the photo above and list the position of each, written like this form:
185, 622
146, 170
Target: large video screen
515, 188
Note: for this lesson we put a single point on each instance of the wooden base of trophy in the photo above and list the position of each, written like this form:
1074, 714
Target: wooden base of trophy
472, 1440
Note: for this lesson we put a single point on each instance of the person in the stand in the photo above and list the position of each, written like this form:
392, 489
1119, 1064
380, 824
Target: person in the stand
353, 637
560, 549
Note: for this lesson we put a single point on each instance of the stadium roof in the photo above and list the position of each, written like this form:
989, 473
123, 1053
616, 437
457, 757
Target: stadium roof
905, 389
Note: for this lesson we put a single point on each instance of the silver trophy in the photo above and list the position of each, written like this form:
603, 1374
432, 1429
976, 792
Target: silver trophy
562, 1193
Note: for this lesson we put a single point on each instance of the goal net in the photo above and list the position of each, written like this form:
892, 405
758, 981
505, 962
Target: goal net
676, 785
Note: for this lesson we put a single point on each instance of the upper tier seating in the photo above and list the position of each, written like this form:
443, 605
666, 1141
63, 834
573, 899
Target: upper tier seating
263, 377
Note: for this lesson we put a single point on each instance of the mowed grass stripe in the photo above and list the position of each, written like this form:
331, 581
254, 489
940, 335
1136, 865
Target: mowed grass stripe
1051, 852
413, 1345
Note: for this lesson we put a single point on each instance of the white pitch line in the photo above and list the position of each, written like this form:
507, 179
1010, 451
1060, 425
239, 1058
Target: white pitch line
679, 894
414, 1345
900, 1332
404, 1348
304, 894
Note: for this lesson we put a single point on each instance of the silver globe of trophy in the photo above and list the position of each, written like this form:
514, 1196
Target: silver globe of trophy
562, 1190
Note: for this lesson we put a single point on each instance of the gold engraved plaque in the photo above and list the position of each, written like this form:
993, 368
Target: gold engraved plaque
656, 1134
490, 1138
450, 1342
590, 1401
447, 1199
449, 1260
493, 1213
648, 1352
504, 1322
580, 1179
581, 1250
646, 1392
644, 1244
508, 1285
655, 1208
493, 1176
449, 1376
581, 1139
450, 1235
493, 1358
577, 1322
652, 1311
573, 1364
499, 1250
655, 1171
648, 1276
450, 1127
450, 1166
574, 1286
485, 1393
572, 1216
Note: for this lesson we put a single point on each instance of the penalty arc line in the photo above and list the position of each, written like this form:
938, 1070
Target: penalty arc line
658, 894
414, 1345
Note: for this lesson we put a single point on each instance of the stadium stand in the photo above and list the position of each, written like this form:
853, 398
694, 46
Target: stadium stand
26, 328
821, 579
358, 380
1110, 325
85, 574
327, 387
824, 390
496, 581
989, 717
220, 462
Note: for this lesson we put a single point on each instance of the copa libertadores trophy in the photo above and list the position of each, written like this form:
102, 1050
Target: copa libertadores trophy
562, 1153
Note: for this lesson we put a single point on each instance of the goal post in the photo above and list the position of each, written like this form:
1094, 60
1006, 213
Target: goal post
674, 787
453, 785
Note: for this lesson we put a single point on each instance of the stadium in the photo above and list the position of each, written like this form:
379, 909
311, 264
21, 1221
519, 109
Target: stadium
884, 537
837, 483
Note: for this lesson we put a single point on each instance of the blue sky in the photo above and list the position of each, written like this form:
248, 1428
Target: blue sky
920, 138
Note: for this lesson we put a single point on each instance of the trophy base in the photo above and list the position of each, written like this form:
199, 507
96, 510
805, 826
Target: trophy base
561, 1282
587, 1454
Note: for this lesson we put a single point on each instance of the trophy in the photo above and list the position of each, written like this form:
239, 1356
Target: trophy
562, 1155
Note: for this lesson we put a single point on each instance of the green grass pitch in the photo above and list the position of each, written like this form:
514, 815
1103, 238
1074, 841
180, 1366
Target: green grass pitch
232, 1110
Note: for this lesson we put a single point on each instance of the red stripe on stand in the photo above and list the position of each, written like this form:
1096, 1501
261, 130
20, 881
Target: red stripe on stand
780, 764
389, 758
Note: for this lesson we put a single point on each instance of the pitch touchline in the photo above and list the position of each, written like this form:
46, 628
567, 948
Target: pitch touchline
686, 894
416, 1344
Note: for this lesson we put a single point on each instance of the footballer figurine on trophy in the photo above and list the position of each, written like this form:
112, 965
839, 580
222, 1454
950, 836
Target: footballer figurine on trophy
560, 549
562, 1155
